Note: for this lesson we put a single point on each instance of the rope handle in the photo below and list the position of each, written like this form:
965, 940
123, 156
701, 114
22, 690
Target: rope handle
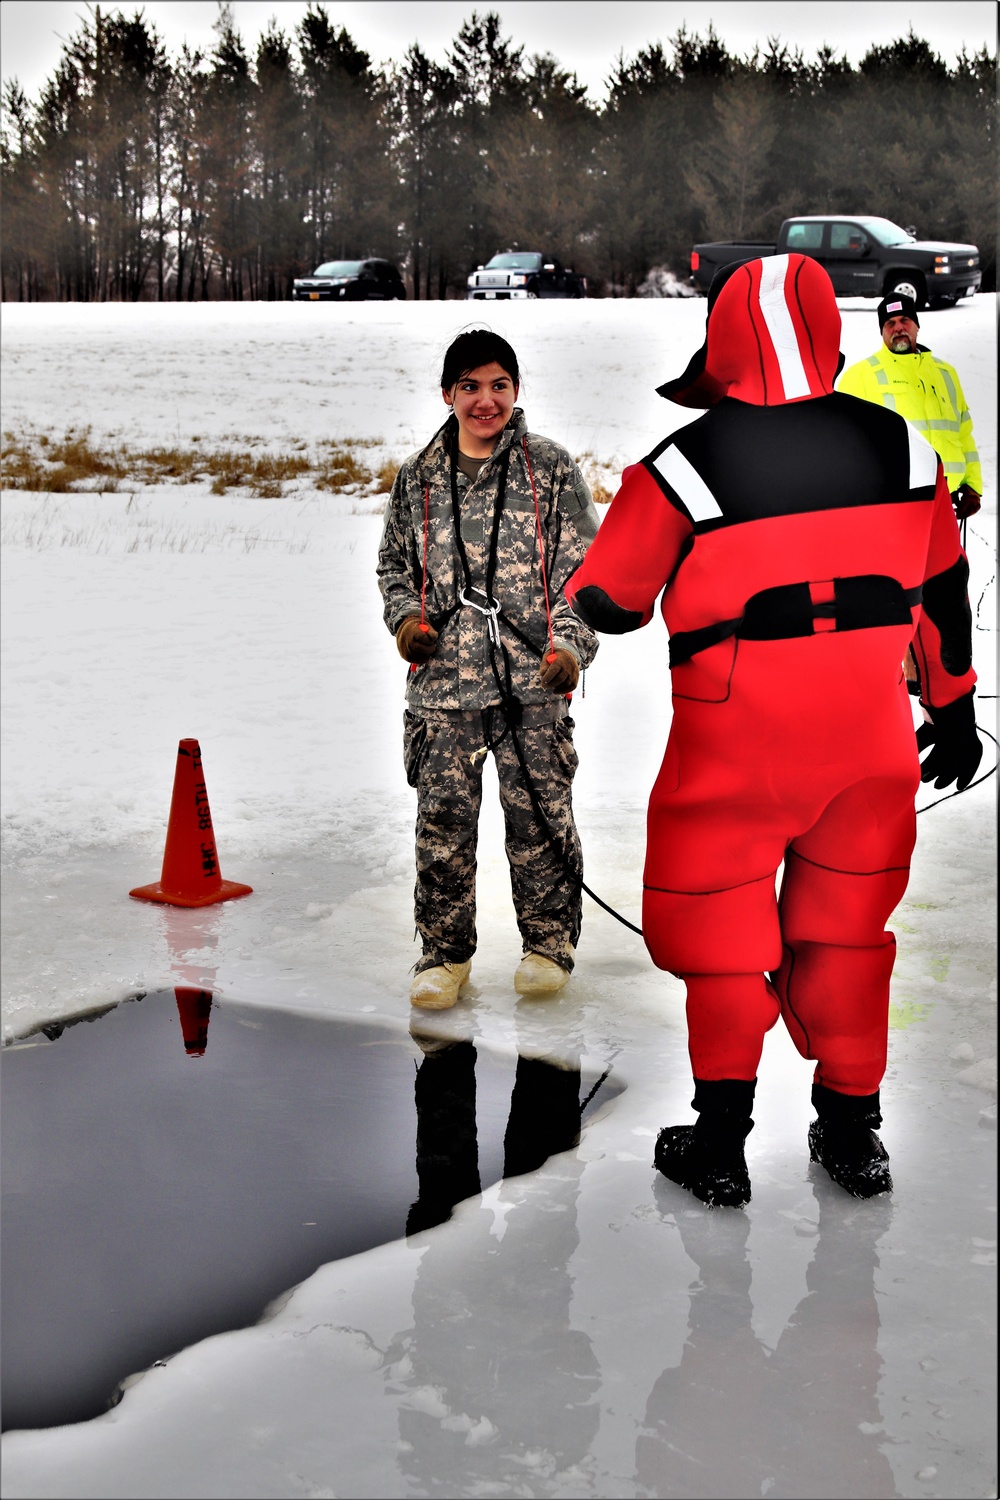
541, 550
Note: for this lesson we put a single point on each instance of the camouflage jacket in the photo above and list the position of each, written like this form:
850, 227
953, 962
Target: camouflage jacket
459, 675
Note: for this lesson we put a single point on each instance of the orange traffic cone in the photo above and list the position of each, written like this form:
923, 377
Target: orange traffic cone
190, 874
194, 1008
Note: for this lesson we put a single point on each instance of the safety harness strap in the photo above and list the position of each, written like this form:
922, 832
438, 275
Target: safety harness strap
863, 602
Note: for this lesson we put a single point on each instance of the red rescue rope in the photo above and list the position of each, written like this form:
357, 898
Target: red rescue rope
541, 550
423, 582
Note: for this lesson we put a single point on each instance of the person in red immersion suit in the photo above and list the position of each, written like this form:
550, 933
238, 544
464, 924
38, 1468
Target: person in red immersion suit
799, 538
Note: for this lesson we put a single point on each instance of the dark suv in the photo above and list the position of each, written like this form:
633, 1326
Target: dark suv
523, 273
351, 281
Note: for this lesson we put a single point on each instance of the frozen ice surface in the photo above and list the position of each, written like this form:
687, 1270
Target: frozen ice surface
587, 1330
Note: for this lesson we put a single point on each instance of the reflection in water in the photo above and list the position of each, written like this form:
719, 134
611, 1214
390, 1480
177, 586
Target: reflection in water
447, 1145
192, 933
149, 1202
828, 1362
734, 1419
545, 1113
497, 1386
194, 1008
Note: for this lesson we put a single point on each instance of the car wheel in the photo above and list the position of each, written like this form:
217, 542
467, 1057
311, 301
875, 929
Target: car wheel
906, 286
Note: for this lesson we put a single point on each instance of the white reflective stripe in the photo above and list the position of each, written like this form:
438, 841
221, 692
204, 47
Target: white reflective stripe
923, 460
780, 326
684, 479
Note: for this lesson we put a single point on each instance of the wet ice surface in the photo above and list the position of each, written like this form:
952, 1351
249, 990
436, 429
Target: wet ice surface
588, 1329
173, 1165
585, 1329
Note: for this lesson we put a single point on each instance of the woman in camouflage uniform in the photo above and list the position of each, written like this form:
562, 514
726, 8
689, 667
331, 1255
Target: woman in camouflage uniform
482, 530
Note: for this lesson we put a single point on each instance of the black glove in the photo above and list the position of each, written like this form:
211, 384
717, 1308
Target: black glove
955, 746
560, 671
416, 642
966, 501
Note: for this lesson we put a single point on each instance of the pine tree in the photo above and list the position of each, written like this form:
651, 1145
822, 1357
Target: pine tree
491, 94
278, 128
420, 108
730, 182
348, 193
185, 111
227, 155
22, 253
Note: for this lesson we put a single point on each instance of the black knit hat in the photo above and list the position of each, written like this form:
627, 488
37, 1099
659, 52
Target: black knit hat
897, 306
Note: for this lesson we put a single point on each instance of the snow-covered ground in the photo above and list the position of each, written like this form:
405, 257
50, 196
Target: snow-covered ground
586, 1330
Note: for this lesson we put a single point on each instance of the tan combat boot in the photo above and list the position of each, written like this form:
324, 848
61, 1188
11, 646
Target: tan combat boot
538, 975
437, 988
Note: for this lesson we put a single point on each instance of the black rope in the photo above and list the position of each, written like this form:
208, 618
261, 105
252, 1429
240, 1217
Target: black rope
511, 705
507, 702
606, 1074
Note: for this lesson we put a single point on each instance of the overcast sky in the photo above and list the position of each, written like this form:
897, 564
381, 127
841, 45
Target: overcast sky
584, 35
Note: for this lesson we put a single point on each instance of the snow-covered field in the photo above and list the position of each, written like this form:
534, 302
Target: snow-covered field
587, 1330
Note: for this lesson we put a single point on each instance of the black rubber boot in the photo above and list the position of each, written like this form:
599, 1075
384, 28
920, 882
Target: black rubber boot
843, 1140
707, 1158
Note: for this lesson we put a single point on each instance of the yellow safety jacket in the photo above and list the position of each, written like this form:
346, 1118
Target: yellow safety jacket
928, 393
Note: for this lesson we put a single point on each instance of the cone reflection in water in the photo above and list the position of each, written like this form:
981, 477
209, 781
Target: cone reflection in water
194, 1008
191, 875
192, 938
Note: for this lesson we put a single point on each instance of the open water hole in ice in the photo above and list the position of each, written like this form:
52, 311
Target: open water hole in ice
176, 1164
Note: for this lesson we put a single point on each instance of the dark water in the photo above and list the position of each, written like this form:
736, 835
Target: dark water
174, 1164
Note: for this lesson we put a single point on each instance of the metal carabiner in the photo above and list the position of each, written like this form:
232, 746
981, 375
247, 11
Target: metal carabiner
490, 608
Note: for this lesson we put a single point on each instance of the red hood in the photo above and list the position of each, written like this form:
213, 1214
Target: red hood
773, 337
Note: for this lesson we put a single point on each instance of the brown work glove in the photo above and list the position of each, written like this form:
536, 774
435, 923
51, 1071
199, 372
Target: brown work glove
966, 501
560, 671
416, 641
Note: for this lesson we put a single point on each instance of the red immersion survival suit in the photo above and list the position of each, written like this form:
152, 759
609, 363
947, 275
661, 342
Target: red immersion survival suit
800, 539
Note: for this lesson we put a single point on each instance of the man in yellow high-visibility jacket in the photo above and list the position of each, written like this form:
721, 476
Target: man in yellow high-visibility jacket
907, 378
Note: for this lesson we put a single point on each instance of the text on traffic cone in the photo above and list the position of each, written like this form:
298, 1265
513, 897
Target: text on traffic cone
190, 874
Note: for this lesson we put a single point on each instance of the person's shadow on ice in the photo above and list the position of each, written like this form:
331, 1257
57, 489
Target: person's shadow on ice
735, 1419
498, 1387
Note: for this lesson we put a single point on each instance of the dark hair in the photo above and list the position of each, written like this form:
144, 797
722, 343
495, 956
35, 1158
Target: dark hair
475, 347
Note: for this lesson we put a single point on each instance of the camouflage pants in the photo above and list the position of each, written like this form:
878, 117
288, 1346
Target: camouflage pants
440, 754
